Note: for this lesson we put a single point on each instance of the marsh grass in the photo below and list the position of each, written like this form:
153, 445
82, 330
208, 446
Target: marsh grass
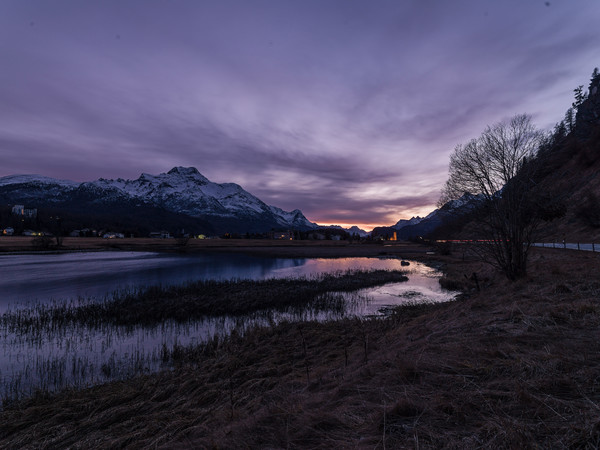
513, 366
197, 300
87, 341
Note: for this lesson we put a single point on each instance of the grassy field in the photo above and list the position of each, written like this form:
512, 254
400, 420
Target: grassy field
267, 247
514, 365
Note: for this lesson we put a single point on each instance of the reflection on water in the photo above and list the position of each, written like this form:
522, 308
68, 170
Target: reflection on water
42, 278
422, 285
26, 278
53, 358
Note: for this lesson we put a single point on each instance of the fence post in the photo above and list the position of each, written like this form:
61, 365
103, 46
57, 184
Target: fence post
593, 247
553, 244
578, 246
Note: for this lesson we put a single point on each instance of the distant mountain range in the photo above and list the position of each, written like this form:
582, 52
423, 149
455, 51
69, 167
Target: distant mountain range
423, 226
569, 169
182, 199
179, 199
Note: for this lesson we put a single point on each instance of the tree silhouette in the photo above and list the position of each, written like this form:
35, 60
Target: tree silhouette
501, 168
580, 96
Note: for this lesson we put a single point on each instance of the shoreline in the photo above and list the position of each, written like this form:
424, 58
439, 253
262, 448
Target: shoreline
512, 365
17, 245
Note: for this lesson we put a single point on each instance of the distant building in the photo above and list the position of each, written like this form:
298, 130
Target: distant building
32, 233
113, 236
8, 231
282, 235
394, 237
20, 210
160, 235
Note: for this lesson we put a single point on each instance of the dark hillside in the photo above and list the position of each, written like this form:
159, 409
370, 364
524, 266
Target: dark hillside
573, 165
570, 171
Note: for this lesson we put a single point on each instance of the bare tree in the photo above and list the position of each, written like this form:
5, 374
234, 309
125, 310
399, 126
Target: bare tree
501, 168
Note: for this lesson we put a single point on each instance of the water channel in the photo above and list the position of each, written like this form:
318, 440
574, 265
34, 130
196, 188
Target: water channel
79, 356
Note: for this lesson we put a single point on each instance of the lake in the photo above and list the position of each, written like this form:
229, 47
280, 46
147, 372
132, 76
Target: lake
45, 277
52, 358
27, 279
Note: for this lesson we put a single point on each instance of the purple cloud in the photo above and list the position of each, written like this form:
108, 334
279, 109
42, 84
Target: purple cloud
344, 109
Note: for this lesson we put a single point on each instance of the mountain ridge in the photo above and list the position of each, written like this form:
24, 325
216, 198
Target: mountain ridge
225, 207
422, 226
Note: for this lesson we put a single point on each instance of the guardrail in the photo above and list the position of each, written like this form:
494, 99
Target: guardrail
593, 247
569, 245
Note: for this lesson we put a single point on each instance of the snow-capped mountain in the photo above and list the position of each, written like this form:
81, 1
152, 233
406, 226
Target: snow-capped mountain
182, 191
404, 222
352, 230
36, 179
187, 191
422, 226
355, 230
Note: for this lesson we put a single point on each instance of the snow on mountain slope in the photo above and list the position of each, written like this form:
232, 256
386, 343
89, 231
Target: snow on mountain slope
185, 190
459, 206
182, 190
295, 218
355, 230
406, 222
36, 179
352, 230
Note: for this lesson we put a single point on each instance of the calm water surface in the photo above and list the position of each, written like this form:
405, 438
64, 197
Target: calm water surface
55, 358
26, 278
43, 278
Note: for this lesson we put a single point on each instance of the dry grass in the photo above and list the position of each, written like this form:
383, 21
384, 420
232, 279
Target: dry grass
516, 365
267, 247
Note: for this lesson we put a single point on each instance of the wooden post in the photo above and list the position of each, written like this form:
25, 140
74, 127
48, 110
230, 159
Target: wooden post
593, 247
578, 246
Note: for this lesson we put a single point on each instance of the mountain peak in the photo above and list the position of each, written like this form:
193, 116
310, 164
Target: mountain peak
185, 171
406, 222
182, 191
185, 175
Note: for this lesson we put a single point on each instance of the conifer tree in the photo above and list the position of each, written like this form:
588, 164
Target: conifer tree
580, 96
569, 121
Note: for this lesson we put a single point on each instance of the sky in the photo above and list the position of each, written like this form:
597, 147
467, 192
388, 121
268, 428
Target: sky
345, 109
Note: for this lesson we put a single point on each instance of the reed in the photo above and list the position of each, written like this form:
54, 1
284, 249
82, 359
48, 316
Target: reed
197, 300
510, 366
72, 344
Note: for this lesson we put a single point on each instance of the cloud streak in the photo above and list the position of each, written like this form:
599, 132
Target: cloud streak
343, 109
